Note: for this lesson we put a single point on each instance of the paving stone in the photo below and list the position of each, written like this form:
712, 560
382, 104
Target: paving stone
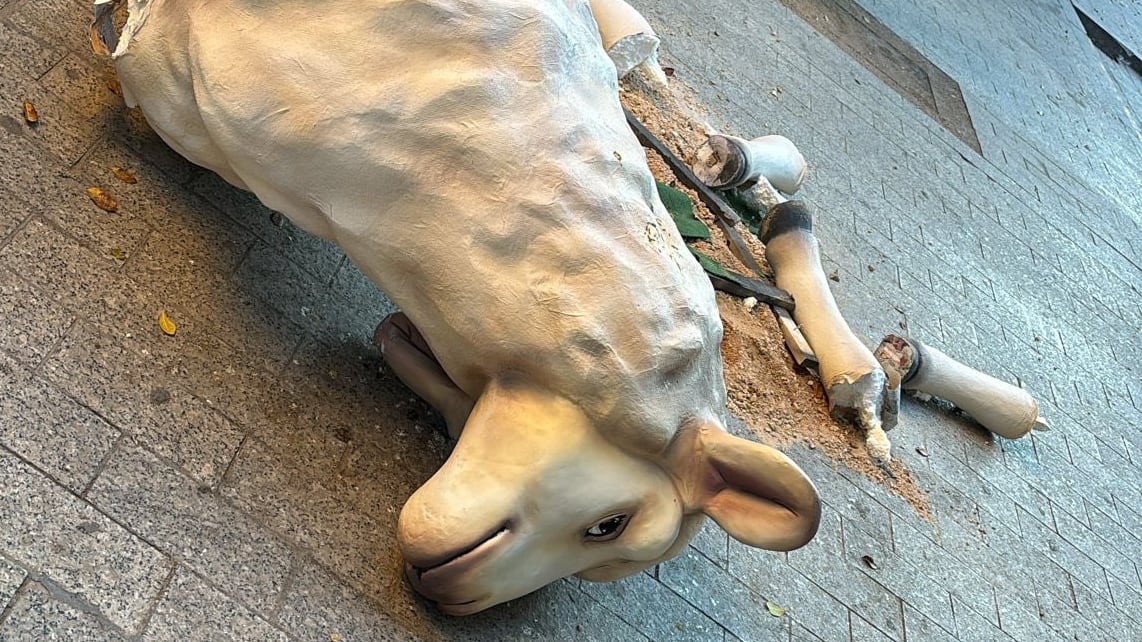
36, 324
22, 58
36, 616
962, 580
11, 578
862, 631
909, 582
970, 626
48, 429
318, 606
313, 514
103, 374
181, 517
191, 609
919, 627
798, 634
806, 603
65, 270
653, 609
54, 534
721, 597
1065, 554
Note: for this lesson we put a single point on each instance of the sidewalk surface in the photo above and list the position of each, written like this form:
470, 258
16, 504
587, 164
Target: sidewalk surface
241, 480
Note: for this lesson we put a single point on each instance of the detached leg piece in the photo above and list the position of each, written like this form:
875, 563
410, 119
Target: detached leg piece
727, 162
1004, 409
857, 386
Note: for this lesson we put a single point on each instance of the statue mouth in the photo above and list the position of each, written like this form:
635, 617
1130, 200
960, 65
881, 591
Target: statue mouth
443, 582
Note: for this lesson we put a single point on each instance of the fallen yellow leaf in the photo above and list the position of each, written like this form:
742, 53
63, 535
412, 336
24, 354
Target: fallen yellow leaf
166, 325
124, 175
30, 113
774, 609
102, 199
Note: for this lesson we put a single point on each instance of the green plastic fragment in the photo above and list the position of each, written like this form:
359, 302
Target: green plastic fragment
682, 211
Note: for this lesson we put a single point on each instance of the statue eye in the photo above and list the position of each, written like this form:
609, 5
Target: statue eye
606, 529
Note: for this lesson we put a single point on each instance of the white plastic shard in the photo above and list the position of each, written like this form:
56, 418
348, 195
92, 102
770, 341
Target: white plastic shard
629, 39
472, 158
1002, 408
856, 385
727, 162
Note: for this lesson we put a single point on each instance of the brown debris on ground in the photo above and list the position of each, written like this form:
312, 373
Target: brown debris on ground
780, 403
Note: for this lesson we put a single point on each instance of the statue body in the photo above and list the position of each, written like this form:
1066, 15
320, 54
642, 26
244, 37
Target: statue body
471, 157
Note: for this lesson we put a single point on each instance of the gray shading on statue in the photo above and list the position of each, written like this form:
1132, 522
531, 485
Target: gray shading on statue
473, 160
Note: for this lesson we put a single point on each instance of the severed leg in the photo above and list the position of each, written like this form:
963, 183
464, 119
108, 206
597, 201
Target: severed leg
407, 353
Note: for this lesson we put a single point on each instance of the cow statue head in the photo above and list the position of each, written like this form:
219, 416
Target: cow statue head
534, 492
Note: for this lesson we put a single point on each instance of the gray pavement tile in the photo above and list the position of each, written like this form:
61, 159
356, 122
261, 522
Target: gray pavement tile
798, 634
970, 626
1064, 618
557, 612
919, 627
11, 578
653, 609
858, 592
1116, 562
309, 509
1020, 620
713, 542
806, 603
279, 283
912, 584
862, 631
1064, 554
191, 609
318, 606
38, 616
64, 268
722, 598
1113, 620
185, 520
35, 323
961, 579
58, 21
141, 399
55, 534
22, 58
49, 429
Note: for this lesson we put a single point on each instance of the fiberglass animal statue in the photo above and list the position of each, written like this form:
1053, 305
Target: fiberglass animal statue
471, 157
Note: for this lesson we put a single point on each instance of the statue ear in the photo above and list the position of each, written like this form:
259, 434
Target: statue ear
757, 494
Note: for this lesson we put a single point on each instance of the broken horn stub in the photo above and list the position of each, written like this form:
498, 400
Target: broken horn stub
1002, 408
627, 37
726, 162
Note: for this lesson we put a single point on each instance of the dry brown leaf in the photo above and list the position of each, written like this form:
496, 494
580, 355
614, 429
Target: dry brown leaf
124, 175
102, 199
114, 87
868, 561
30, 114
166, 325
